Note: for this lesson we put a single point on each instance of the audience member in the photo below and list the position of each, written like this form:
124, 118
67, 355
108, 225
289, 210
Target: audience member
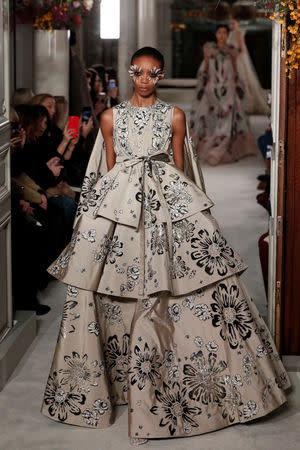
22, 96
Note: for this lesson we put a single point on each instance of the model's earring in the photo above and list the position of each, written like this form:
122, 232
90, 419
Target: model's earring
134, 71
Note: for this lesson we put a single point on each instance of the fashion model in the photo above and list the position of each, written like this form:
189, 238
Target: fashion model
156, 315
218, 121
255, 98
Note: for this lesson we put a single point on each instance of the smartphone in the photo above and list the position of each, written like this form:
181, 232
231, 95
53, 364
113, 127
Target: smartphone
73, 125
15, 129
86, 113
111, 85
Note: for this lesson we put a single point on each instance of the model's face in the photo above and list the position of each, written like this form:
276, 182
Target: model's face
221, 35
49, 103
145, 73
233, 24
97, 85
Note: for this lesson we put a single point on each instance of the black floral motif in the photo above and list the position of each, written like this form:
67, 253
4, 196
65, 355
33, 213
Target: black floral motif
174, 312
146, 367
89, 196
141, 118
151, 203
107, 183
179, 268
93, 328
110, 248
232, 314
160, 128
67, 327
233, 399
80, 374
61, 401
212, 252
176, 191
204, 381
159, 243
175, 408
117, 359
133, 272
91, 416
89, 235
250, 410
182, 230
114, 249
202, 311
112, 312
281, 380
61, 264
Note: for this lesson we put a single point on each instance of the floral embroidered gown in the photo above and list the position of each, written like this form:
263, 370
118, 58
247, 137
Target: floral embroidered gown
155, 314
219, 124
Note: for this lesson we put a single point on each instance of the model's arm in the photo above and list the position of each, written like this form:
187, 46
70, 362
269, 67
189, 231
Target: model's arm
179, 130
106, 125
206, 60
241, 42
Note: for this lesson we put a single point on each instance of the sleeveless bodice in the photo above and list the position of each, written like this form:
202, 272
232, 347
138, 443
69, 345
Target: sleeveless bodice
142, 131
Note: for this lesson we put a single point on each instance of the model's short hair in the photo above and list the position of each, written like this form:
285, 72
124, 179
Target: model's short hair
149, 51
222, 25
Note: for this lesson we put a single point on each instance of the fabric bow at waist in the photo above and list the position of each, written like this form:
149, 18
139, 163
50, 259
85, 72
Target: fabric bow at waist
151, 184
129, 162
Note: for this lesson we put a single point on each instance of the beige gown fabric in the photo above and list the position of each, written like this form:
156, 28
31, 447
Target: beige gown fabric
156, 315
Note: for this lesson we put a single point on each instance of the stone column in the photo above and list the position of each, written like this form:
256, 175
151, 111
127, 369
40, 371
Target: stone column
127, 45
51, 62
147, 23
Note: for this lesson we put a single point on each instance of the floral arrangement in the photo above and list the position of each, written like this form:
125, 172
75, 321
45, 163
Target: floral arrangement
53, 14
287, 13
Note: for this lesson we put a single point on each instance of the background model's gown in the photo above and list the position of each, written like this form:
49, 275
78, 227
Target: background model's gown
255, 97
156, 315
218, 122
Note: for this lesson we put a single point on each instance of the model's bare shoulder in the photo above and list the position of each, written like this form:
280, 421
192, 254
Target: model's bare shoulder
106, 119
179, 119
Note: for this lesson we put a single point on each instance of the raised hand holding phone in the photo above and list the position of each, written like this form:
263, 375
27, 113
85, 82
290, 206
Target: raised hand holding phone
86, 114
73, 125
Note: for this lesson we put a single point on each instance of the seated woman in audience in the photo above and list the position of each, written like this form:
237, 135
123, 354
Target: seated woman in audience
54, 137
98, 95
30, 255
76, 160
22, 96
44, 168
